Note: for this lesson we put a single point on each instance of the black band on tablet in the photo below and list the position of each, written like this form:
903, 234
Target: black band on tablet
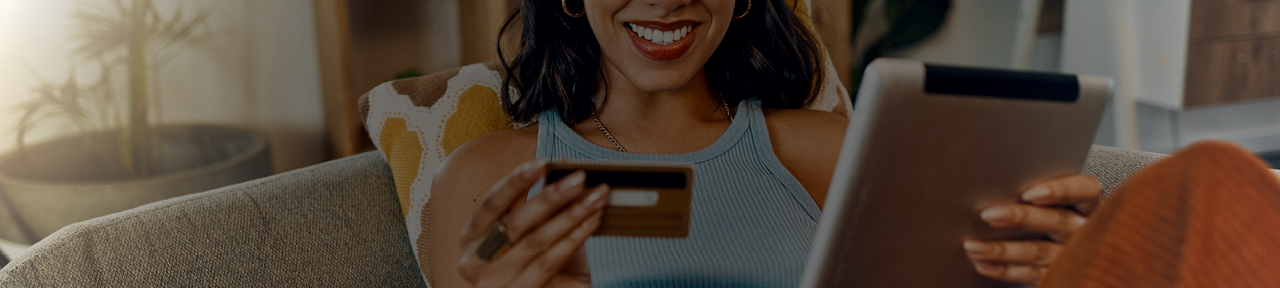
1001, 83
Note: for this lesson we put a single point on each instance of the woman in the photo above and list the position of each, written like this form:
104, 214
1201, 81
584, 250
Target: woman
713, 83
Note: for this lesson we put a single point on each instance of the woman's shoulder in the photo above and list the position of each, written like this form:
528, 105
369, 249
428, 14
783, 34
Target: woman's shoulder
807, 143
491, 155
805, 135
806, 124
501, 143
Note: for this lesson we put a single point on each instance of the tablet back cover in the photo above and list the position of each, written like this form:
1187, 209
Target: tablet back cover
927, 149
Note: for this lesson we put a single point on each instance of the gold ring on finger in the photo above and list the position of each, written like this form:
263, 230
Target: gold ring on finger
493, 243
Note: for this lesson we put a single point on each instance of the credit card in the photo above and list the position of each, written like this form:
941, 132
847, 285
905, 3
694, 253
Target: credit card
645, 201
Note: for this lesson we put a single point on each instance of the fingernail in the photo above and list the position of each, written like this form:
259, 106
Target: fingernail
1079, 221
574, 179
995, 215
983, 266
597, 199
531, 169
976, 247
1036, 194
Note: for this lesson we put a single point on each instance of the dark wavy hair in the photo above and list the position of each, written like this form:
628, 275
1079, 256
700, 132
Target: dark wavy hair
769, 54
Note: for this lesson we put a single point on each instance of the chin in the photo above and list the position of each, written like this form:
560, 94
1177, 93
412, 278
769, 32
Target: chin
661, 81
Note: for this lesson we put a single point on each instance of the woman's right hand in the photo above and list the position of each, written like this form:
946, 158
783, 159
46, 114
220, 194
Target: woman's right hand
545, 233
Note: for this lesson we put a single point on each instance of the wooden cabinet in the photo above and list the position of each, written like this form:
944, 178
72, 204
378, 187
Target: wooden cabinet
1234, 52
1231, 18
1232, 72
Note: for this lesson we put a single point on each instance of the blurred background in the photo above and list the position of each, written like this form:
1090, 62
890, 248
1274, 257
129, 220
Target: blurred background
110, 104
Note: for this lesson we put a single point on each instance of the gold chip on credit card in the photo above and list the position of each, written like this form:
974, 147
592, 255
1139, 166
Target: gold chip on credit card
647, 201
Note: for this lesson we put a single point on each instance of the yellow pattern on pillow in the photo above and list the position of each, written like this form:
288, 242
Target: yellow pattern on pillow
403, 152
484, 115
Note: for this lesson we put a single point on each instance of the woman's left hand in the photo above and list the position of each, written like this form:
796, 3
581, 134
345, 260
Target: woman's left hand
1057, 208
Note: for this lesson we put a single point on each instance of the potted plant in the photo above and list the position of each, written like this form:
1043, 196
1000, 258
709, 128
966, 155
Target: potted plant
119, 160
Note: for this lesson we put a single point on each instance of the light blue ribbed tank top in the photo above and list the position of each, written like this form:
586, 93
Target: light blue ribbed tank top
752, 221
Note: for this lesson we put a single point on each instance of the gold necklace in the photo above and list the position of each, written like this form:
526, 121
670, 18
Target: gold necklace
619, 146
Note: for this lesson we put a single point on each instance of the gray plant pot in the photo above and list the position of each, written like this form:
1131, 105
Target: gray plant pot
64, 181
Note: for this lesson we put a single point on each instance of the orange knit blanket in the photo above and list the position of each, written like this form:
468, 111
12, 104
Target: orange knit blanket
1206, 216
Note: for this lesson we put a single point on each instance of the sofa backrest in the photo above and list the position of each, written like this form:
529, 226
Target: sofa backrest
335, 224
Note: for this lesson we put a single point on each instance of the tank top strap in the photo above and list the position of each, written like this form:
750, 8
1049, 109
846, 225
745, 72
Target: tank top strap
762, 142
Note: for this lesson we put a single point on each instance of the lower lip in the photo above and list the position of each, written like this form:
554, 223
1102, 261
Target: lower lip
663, 52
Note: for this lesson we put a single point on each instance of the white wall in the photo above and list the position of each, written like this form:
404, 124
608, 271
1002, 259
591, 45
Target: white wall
259, 71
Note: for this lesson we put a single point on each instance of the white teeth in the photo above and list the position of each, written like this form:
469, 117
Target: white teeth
661, 37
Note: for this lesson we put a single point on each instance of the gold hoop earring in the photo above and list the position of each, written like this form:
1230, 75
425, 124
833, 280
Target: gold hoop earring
565, 6
744, 13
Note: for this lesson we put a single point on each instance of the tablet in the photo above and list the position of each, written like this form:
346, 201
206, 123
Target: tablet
928, 148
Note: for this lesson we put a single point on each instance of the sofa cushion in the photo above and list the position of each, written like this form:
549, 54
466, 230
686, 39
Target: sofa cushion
335, 224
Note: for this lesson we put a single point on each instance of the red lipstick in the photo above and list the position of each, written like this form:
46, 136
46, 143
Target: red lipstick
663, 52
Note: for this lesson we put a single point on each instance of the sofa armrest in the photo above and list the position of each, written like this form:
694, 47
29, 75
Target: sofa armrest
1113, 165
332, 224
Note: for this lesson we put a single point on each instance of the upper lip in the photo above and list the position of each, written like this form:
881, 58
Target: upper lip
663, 26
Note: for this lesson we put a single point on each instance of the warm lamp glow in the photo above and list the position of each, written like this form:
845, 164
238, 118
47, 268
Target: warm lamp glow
34, 33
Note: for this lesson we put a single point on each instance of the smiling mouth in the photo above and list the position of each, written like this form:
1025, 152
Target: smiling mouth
661, 37
663, 41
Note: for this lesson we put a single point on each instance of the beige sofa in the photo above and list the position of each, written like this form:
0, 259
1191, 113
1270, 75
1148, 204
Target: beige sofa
335, 224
